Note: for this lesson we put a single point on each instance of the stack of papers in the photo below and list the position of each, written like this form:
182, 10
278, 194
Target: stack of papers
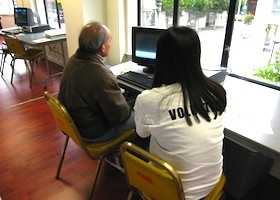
55, 33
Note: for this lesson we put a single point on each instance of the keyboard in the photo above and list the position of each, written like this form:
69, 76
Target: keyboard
140, 80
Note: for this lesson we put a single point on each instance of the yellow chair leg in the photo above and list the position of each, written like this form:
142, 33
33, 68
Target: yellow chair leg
96, 176
62, 157
13, 70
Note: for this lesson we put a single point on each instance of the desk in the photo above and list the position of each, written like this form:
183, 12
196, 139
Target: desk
125, 67
252, 129
252, 113
39, 40
131, 66
252, 134
253, 116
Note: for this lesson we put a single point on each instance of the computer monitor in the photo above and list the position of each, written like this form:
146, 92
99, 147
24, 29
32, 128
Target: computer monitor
144, 42
23, 17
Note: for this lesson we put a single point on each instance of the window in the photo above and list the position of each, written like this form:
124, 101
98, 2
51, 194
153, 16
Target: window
254, 50
52, 12
242, 36
55, 13
6, 7
276, 8
158, 13
209, 22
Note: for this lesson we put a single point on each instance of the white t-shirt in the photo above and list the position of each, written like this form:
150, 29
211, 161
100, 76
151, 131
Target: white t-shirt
194, 151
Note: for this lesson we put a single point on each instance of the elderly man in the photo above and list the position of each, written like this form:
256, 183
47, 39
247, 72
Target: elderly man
90, 91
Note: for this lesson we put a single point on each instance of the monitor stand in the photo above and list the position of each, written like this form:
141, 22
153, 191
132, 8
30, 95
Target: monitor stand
149, 70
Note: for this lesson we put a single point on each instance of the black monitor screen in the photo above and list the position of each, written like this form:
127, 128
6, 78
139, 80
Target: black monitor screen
23, 17
144, 41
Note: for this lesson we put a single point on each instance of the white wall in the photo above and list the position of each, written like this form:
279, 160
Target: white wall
74, 21
7, 21
116, 23
109, 12
24, 3
77, 13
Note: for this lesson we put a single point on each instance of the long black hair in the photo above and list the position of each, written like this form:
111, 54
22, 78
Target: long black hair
178, 61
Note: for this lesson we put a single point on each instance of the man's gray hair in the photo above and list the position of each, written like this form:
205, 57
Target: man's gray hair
92, 36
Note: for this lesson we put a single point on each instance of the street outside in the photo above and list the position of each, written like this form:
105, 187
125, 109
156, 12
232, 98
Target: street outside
245, 54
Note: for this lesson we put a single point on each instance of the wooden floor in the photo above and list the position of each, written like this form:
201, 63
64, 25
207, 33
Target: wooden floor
30, 147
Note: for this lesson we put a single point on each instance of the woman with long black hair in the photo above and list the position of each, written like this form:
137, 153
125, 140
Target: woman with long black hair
183, 113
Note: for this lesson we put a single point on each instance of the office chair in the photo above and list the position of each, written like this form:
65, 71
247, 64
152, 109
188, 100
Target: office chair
20, 52
95, 151
158, 180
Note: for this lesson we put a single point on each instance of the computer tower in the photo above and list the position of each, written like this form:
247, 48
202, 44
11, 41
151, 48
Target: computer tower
244, 168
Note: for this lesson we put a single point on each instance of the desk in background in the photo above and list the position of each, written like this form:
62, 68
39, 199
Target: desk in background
39, 40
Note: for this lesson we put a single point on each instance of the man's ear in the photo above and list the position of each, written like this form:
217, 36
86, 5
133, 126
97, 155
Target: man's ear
102, 49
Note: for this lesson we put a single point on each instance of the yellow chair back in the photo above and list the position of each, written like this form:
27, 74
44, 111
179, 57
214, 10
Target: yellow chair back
14, 45
147, 173
63, 120
218, 190
66, 124
155, 178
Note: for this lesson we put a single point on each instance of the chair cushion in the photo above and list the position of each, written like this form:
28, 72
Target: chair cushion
102, 147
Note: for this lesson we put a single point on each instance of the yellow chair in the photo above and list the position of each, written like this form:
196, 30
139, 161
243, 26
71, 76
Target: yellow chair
158, 180
218, 192
20, 52
95, 151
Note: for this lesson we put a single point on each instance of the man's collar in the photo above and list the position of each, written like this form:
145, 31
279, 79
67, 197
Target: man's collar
88, 56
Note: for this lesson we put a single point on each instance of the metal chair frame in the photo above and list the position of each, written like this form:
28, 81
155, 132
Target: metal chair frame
18, 51
4, 53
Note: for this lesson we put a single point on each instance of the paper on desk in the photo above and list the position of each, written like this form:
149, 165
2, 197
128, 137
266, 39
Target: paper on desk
249, 123
20, 34
41, 40
119, 70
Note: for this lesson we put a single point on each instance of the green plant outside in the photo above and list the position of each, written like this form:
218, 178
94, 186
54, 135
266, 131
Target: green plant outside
248, 18
194, 5
271, 71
